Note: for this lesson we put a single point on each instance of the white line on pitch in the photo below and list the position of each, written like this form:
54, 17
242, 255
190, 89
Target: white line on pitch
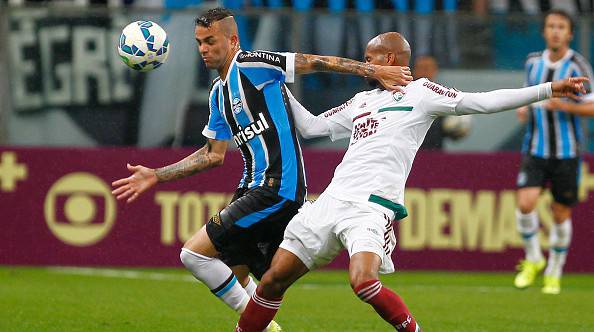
141, 275
480, 289
124, 274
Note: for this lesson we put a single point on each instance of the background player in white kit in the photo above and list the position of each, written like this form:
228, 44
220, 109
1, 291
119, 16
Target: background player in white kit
366, 194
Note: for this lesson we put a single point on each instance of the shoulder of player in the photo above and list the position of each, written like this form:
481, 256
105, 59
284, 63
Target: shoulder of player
534, 55
417, 83
580, 60
362, 94
267, 57
342, 107
583, 67
214, 83
430, 86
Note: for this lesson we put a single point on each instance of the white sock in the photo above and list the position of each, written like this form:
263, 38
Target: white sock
250, 288
560, 238
218, 277
528, 228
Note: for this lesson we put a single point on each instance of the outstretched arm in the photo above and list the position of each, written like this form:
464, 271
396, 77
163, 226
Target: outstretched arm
505, 99
144, 178
391, 77
209, 156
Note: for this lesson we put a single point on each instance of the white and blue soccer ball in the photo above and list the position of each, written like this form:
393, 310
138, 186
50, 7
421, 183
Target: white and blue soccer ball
143, 45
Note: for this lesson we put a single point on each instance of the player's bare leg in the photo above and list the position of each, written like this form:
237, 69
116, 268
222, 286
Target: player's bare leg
561, 212
201, 244
527, 198
242, 272
528, 225
286, 268
363, 275
559, 239
200, 257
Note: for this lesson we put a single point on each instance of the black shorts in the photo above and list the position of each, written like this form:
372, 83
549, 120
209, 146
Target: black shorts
250, 229
561, 174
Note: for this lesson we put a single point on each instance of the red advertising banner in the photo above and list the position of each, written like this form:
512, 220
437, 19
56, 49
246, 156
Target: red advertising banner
57, 209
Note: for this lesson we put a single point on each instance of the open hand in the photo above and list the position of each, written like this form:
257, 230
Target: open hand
141, 180
393, 78
569, 87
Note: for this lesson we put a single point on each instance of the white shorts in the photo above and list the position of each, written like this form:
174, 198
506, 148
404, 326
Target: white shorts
321, 229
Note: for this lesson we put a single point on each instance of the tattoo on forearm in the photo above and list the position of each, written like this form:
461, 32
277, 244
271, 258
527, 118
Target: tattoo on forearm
308, 63
194, 163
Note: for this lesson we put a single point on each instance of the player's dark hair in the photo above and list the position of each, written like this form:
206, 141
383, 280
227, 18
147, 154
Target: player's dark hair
561, 13
207, 18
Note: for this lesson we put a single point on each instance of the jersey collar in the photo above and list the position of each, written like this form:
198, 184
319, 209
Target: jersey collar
558, 63
224, 81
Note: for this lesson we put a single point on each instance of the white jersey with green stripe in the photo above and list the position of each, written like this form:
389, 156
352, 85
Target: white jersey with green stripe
386, 130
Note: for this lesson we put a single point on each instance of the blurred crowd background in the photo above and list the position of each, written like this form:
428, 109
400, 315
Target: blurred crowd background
62, 83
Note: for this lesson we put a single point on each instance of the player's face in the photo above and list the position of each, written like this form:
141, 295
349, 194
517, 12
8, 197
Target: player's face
374, 57
557, 32
214, 45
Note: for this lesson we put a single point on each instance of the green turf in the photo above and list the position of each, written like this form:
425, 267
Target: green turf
39, 299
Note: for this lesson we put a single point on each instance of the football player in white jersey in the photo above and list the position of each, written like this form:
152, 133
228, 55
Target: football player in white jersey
366, 194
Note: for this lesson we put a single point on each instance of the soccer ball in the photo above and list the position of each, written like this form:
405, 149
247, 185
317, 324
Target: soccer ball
143, 45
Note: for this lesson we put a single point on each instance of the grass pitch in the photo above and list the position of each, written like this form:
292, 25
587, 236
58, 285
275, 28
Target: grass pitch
73, 299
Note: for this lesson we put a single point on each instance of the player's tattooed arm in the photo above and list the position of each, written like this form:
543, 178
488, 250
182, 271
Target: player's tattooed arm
309, 63
390, 77
210, 155
144, 178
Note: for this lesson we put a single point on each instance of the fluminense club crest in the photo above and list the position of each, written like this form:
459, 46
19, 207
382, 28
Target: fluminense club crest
398, 96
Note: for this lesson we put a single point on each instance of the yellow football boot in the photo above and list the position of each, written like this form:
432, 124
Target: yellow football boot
527, 273
552, 285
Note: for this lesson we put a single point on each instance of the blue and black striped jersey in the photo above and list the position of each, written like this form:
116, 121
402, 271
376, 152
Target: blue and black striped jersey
553, 134
251, 106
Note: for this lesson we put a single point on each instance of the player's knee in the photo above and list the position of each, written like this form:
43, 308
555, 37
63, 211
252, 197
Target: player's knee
360, 277
525, 206
192, 260
561, 212
186, 258
273, 283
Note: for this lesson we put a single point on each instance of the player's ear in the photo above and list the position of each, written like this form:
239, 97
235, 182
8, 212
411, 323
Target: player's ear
235, 41
390, 59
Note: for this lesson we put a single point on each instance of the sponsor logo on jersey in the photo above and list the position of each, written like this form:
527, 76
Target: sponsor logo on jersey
250, 131
364, 129
262, 55
440, 89
338, 109
216, 219
237, 105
